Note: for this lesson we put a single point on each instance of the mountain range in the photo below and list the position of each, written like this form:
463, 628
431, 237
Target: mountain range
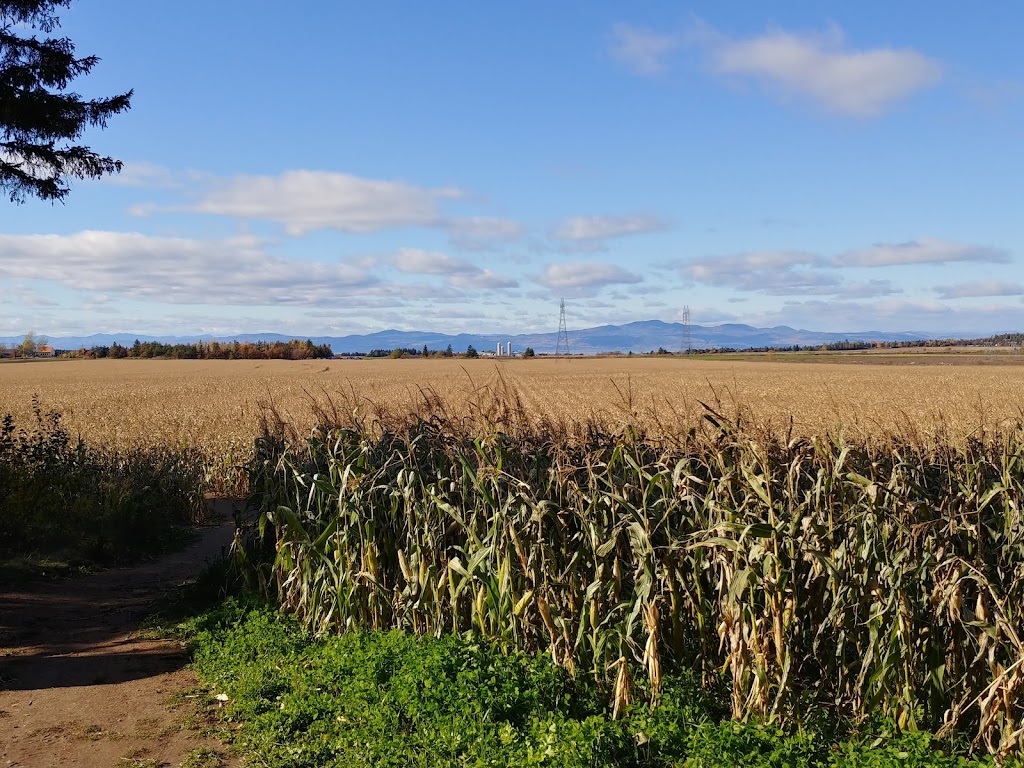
640, 336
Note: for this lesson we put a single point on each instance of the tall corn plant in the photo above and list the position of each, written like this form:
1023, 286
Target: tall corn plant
877, 577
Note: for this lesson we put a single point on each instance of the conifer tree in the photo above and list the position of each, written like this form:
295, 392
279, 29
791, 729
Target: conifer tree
40, 118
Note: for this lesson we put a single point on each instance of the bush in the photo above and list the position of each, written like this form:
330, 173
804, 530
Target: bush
58, 494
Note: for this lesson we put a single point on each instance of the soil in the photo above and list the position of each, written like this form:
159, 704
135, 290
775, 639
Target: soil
81, 685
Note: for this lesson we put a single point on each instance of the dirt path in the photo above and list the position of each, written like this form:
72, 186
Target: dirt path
79, 688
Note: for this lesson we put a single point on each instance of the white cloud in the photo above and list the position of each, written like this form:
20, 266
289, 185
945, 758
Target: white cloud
304, 201
862, 83
483, 279
817, 66
980, 288
704, 315
594, 229
309, 200
771, 272
868, 289
585, 275
142, 175
27, 297
784, 273
460, 273
751, 261
178, 270
642, 50
938, 317
420, 262
99, 303
923, 251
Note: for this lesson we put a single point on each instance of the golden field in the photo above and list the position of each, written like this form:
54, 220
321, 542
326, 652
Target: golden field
215, 404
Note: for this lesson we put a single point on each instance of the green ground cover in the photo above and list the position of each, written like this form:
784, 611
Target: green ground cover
393, 699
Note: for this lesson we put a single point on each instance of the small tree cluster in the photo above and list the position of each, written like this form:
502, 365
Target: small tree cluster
29, 346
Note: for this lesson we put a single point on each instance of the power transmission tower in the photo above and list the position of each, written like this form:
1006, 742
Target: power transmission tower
687, 341
562, 345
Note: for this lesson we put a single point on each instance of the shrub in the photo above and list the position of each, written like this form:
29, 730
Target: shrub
59, 494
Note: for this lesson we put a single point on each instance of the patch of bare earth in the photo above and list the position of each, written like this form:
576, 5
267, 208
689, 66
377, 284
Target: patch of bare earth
81, 686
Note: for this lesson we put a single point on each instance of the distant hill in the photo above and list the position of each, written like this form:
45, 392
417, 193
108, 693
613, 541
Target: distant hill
640, 336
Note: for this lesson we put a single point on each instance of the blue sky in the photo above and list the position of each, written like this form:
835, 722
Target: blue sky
346, 168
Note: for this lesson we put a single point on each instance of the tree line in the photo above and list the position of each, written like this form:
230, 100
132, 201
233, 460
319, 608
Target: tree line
400, 352
212, 350
998, 340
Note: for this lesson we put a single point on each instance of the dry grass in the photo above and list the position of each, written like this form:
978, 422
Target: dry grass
215, 405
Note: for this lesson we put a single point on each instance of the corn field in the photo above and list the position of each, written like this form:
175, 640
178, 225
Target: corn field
214, 405
882, 576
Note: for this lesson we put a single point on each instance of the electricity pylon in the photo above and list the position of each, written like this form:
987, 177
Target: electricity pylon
562, 345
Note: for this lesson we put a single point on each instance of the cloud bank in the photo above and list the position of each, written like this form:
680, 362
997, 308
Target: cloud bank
585, 275
178, 270
304, 201
596, 229
923, 251
818, 67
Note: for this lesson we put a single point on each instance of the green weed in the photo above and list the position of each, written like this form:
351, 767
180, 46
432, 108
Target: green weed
394, 699
202, 757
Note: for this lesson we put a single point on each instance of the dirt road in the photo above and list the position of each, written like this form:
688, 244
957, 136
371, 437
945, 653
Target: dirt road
80, 687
